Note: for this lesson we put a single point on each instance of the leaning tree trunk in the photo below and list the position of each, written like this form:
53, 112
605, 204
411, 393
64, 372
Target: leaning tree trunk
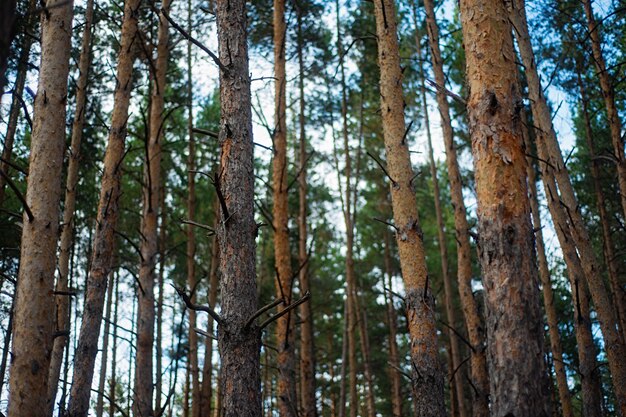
549, 151
106, 221
143, 394
285, 337
473, 321
514, 317
426, 370
67, 233
33, 317
239, 343
608, 92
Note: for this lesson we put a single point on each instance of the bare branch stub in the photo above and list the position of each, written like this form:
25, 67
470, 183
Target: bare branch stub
263, 310
19, 195
196, 307
394, 182
286, 310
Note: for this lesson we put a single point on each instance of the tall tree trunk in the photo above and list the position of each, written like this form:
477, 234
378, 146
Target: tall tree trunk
307, 346
426, 370
239, 344
473, 321
556, 348
6, 343
16, 98
159, 307
549, 150
113, 379
34, 304
455, 350
67, 232
285, 337
106, 222
608, 93
514, 317
105, 347
365, 351
392, 324
191, 237
619, 295
143, 394
344, 357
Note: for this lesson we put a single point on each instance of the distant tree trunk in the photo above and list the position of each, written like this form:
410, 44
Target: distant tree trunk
191, 237
307, 347
365, 351
16, 97
105, 347
549, 150
514, 317
392, 324
455, 350
619, 295
33, 316
239, 344
113, 379
285, 337
159, 307
426, 370
608, 93
143, 394
7, 31
556, 348
6, 343
67, 230
107, 216
344, 357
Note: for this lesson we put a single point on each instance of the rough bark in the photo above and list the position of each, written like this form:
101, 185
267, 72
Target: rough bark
239, 344
549, 151
106, 221
556, 348
427, 375
514, 318
67, 232
34, 305
608, 93
143, 393
307, 346
392, 324
105, 348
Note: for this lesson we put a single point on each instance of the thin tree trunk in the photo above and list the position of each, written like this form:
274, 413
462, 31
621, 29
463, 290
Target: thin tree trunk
67, 232
344, 357
107, 216
514, 317
16, 103
34, 305
285, 337
143, 394
619, 295
239, 343
565, 397
392, 324
6, 344
105, 347
426, 369
307, 345
473, 321
549, 151
614, 121
159, 306
365, 351
113, 380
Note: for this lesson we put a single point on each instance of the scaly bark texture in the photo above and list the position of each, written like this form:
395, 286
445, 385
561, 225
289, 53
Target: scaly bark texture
33, 316
143, 394
106, 221
473, 321
514, 317
67, 232
307, 348
426, 369
239, 344
549, 150
608, 93
285, 337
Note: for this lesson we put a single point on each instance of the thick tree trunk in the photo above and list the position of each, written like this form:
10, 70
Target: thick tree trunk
426, 369
608, 92
67, 232
106, 222
549, 150
285, 337
473, 321
565, 397
392, 324
514, 318
105, 347
143, 394
239, 343
307, 347
34, 305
